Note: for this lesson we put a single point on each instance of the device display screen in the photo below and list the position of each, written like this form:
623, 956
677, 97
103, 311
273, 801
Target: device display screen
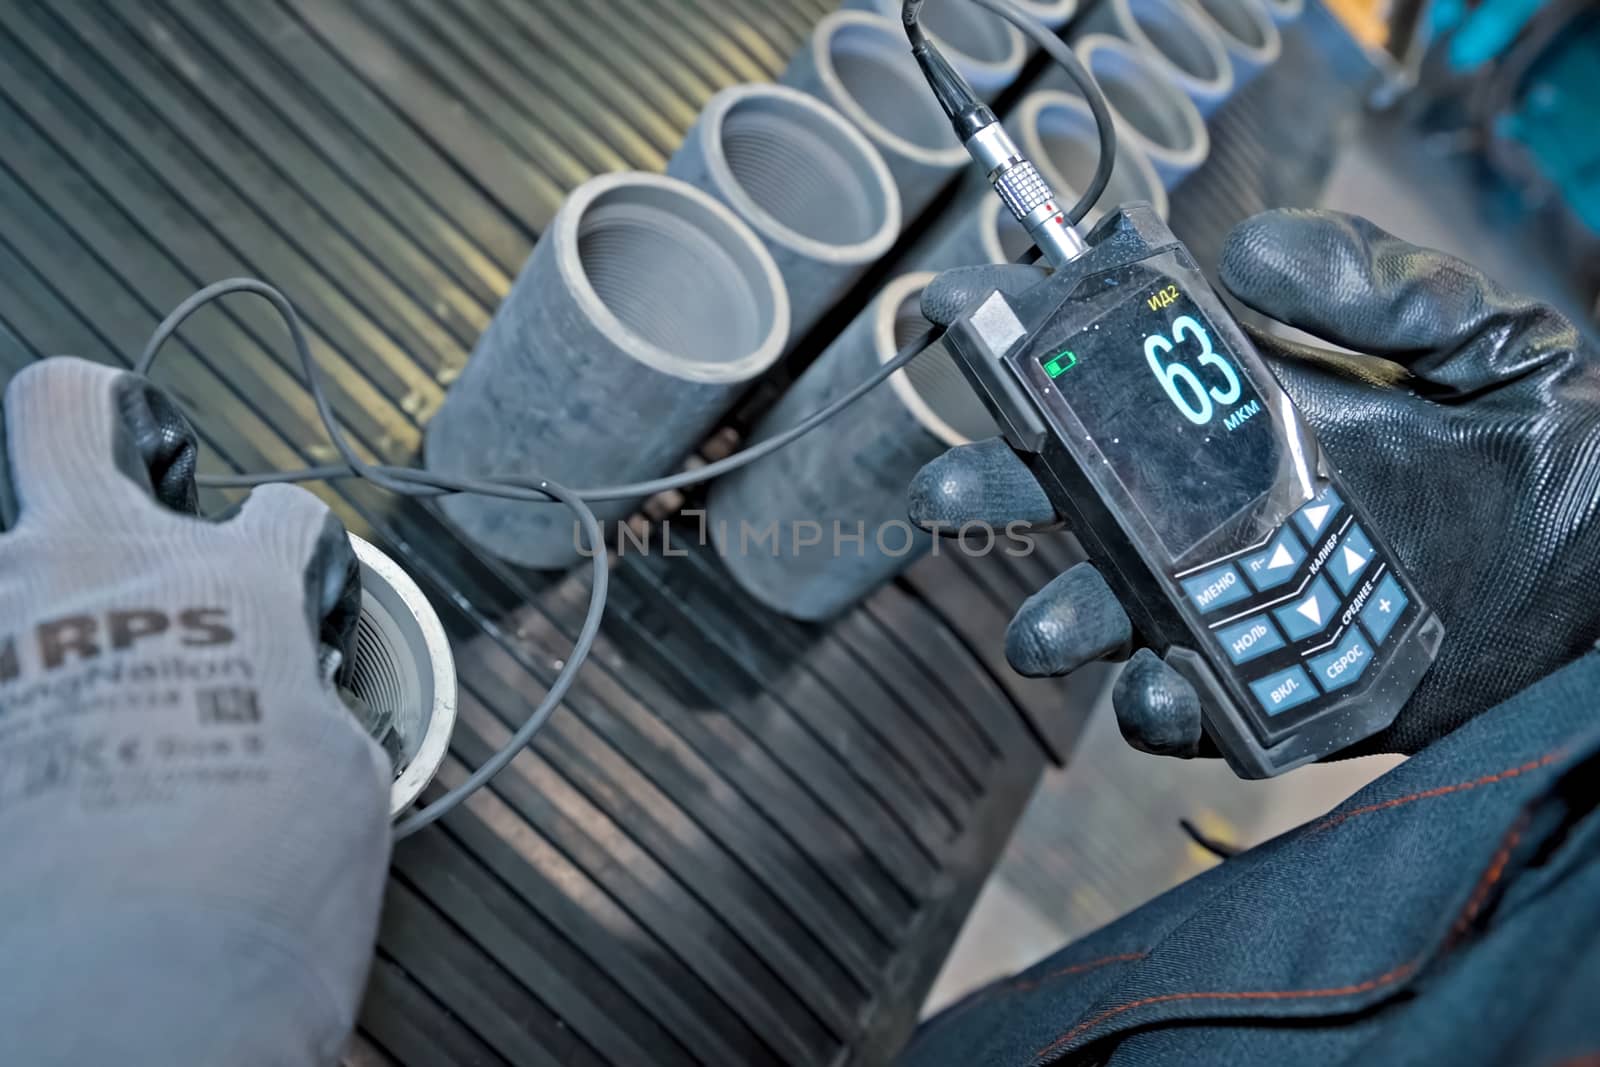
1180, 425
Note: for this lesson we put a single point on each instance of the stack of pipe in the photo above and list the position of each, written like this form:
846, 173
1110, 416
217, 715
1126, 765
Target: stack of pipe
645, 309
836, 499
652, 302
1057, 131
983, 47
858, 64
807, 181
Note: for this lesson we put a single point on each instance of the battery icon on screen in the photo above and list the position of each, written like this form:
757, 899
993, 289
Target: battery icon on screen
1059, 365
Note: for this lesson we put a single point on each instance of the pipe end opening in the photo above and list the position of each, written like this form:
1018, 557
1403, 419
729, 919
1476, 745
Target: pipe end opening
686, 279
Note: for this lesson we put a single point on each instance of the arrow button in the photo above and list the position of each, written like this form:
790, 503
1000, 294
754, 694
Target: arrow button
1311, 613
1316, 517
1275, 564
1354, 553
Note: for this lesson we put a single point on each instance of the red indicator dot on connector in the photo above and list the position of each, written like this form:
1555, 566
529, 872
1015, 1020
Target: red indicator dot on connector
1061, 219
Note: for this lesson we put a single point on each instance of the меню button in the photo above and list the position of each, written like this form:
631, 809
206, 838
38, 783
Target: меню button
1350, 559
1316, 517
1345, 664
1283, 690
1311, 613
1383, 609
1244, 641
1216, 587
1276, 563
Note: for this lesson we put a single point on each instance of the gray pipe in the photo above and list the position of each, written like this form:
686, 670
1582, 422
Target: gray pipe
859, 64
985, 48
644, 310
976, 228
402, 674
1057, 131
1154, 113
1249, 33
1053, 13
1176, 34
1284, 12
808, 182
851, 477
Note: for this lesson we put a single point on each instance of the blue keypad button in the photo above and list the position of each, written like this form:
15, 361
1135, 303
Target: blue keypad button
1244, 641
1343, 666
1283, 690
1216, 587
1350, 559
1276, 563
1316, 518
1310, 612
1383, 609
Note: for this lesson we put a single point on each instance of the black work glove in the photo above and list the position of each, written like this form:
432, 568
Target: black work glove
1469, 426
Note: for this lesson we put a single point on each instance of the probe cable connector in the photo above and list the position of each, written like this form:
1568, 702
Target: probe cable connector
1015, 179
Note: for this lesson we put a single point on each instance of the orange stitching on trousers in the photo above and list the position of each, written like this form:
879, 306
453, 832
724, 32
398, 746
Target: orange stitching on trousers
1334, 820
1496, 868
1077, 968
1486, 883
1262, 994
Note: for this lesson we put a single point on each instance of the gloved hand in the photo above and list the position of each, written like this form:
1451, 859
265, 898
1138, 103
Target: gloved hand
196, 829
1469, 425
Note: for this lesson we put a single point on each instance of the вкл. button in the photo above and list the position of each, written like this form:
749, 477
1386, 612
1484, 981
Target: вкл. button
1283, 690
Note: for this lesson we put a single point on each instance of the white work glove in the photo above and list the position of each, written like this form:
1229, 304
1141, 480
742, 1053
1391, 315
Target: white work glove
195, 827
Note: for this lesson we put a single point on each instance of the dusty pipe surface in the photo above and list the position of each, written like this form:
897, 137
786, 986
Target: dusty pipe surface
850, 478
1249, 33
1176, 35
975, 228
860, 64
985, 48
1057, 131
807, 181
1284, 12
643, 311
1053, 13
1153, 113
402, 674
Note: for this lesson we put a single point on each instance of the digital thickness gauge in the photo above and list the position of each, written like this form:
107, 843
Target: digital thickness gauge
1196, 488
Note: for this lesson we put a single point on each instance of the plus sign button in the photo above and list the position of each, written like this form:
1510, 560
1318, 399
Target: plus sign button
1383, 609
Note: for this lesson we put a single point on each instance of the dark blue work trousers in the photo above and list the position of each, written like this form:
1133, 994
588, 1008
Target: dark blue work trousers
1449, 913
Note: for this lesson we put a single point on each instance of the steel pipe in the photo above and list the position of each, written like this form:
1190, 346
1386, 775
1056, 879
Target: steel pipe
402, 677
1152, 112
644, 310
1053, 13
827, 488
1284, 12
985, 48
1249, 33
1057, 131
1178, 37
807, 181
976, 228
859, 64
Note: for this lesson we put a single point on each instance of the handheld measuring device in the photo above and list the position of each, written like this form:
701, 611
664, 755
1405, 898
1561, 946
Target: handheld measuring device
1184, 469
1193, 484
